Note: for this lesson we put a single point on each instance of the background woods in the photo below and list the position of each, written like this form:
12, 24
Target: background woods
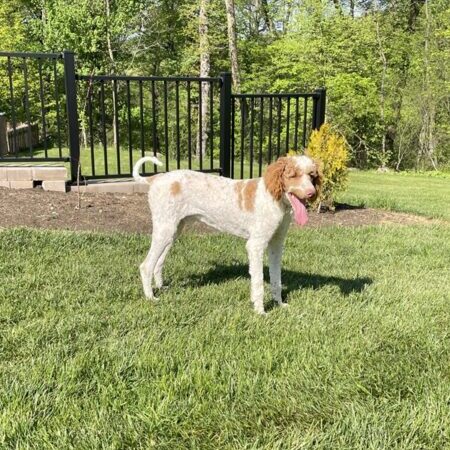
383, 62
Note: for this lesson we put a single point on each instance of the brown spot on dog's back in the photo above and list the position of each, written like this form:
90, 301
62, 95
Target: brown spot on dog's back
175, 188
238, 186
249, 194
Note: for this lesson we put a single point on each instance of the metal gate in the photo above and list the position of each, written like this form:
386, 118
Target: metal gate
101, 124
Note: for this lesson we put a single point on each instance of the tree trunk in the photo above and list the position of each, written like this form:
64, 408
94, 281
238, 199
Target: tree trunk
202, 138
427, 142
111, 57
352, 8
414, 11
382, 96
404, 73
262, 7
232, 44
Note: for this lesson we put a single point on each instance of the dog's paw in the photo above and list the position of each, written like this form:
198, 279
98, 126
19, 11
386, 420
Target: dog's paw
162, 287
282, 305
151, 298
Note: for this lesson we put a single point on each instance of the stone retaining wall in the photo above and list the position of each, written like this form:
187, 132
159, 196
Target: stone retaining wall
21, 177
55, 179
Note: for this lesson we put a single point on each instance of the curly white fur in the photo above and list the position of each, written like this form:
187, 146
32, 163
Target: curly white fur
245, 208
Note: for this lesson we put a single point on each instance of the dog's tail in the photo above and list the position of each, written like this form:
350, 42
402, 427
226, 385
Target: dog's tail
137, 177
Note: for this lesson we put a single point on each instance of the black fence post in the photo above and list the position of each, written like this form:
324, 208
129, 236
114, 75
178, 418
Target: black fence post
319, 101
72, 112
225, 124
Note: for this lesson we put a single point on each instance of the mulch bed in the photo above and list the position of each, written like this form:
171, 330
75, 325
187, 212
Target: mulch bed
130, 213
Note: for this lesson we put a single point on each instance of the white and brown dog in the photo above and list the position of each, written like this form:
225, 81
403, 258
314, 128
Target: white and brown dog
258, 210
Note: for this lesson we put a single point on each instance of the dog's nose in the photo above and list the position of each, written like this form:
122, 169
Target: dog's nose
310, 193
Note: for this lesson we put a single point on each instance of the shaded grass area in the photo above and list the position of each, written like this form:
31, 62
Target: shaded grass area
359, 360
405, 192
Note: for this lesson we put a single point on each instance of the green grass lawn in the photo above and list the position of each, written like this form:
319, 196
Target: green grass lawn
422, 194
112, 161
360, 359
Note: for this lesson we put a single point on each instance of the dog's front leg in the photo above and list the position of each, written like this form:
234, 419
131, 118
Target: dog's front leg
255, 249
275, 255
275, 250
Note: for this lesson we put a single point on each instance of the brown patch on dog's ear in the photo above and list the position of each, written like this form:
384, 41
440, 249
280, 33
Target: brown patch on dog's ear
277, 174
238, 189
273, 178
291, 170
175, 188
250, 194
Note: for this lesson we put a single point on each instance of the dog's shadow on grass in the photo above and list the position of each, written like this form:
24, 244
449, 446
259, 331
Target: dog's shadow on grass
291, 280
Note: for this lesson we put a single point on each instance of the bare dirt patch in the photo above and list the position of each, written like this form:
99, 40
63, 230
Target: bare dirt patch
130, 213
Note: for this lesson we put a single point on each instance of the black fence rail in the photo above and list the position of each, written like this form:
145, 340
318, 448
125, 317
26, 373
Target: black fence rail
125, 117
102, 124
266, 126
32, 103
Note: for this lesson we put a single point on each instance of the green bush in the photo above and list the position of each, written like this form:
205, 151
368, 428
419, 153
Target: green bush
331, 150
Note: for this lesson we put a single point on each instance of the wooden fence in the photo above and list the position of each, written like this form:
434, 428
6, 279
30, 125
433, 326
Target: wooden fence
12, 140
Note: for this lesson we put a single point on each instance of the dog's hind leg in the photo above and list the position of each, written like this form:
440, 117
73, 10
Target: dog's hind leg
162, 239
157, 273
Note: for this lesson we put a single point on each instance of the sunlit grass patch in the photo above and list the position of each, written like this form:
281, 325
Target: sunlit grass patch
358, 360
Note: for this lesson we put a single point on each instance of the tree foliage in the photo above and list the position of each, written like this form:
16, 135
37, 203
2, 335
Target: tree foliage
382, 61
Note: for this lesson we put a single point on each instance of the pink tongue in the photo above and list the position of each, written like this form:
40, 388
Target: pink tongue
300, 214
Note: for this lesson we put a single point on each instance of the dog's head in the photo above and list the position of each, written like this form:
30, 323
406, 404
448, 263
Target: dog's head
294, 180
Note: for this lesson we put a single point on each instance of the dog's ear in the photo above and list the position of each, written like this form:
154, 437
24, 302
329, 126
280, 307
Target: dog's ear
273, 178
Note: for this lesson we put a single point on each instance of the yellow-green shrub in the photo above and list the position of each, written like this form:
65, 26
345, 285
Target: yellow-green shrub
331, 149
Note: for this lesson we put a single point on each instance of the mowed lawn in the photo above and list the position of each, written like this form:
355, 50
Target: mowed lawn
422, 194
360, 359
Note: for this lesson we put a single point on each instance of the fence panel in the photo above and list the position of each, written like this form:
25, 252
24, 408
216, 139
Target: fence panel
122, 118
266, 126
32, 101
103, 124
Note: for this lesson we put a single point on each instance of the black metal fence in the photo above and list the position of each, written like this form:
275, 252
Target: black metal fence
32, 100
125, 117
103, 124
266, 126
